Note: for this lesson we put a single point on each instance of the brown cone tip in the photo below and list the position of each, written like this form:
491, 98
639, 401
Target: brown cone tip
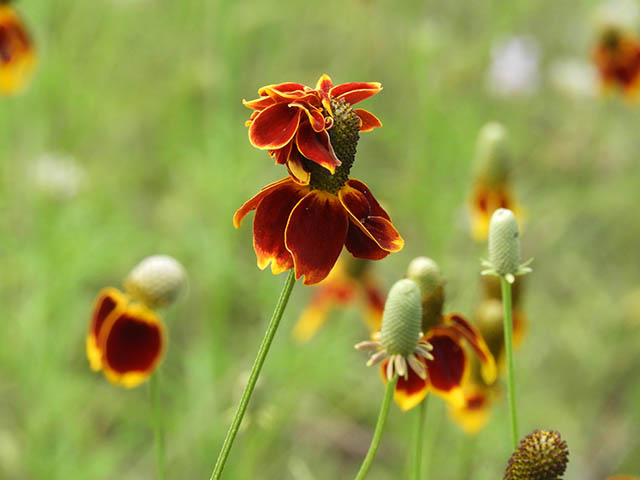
541, 455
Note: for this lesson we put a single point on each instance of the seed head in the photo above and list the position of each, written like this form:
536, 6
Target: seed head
401, 319
504, 242
541, 455
156, 281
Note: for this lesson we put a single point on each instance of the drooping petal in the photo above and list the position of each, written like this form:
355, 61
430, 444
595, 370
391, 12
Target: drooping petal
274, 126
259, 104
315, 235
316, 119
355, 92
282, 154
296, 168
375, 208
316, 146
409, 392
109, 301
360, 245
368, 120
477, 343
473, 414
449, 366
253, 202
132, 343
269, 224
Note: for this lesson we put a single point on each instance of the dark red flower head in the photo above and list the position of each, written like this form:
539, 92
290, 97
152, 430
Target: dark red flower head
617, 58
17, 54
292, 121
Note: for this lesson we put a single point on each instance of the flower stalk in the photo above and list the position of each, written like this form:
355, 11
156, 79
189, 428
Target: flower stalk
253, 376
508, 346
416, 465
158, 432
377, 434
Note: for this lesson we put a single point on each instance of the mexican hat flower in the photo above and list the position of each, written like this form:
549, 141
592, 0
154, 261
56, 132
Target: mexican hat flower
491, 188
304, 227
17, 53
349, 281
126, 338
292, 122
617, 58
473, 414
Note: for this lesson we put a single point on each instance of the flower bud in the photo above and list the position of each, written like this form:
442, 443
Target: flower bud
504, 242
156, 281
541, 455
426, 273
401, 319
491, 157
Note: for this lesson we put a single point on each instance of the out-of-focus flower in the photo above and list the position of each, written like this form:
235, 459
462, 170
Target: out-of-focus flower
349, 280
617, 58
17, 53
292, 121
514, 66
574, 78
474, 412
541, 455
126, 338
305, 226
57, 175
490, 189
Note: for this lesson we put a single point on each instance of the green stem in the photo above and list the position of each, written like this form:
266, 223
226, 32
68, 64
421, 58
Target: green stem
156, 412
508, 346
377, 434
253, 376
418, 440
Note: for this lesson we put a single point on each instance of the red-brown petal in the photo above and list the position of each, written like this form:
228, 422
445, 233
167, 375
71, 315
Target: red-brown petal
274, 127
316, 146
296, 168
360, 245
448, 367
374, 206
477, 343
269, 224
324, 83
253, 202
410, 392
315, 235
316, 119
368, 120
259, 104
347, 88
281, 88
132, 344
109, 301
282, 154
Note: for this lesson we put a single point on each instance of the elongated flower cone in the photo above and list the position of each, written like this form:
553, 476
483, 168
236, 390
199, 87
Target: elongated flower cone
541, 455
401, 319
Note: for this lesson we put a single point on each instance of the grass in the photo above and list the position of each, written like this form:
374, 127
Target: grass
146, 95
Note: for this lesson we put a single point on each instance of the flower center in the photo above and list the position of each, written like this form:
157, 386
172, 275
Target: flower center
344, 137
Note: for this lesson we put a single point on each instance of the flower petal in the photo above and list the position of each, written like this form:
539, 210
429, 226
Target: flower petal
409, 392
132, 344
315, 235
449, 366
269, 224
360, 244
316, 146
109, 301
274, 127
296, 168
368, 120
324, 83
280, 88
253, 202
259, 104
316, 119
355, 92
375, 304
477, 343
473, 414
374, 206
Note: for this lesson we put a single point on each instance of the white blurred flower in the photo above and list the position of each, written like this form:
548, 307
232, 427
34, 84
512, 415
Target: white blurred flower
618, 13
514, 66
574, 78
57, 175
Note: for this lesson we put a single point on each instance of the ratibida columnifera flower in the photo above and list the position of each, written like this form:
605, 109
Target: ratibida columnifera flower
541, 455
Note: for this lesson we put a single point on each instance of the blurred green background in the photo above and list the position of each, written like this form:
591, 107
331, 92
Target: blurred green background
144, 97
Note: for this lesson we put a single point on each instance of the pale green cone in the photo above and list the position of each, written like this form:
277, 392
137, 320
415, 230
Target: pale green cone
491, 160
426, 273
401, 319
504, 242
156, 281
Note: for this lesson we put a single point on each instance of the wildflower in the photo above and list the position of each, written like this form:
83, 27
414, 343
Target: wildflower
617, 58
126, 338
474, 412
292, 121
17, 53
350, 279
490, 189
541, 455
305, 226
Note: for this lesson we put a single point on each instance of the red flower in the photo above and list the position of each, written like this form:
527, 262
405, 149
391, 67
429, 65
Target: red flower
617, 58
17, 55
449, 369
292, 121
300, 227
125, 340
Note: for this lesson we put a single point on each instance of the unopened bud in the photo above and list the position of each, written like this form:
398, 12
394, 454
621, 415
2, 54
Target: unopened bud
504, 242
401, 319
426, 273
491, 161
156, 281
541, 455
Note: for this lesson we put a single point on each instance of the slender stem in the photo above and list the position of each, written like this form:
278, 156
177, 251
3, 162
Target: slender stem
253, 376
508, 346
418, 440
377, 434
156, 412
